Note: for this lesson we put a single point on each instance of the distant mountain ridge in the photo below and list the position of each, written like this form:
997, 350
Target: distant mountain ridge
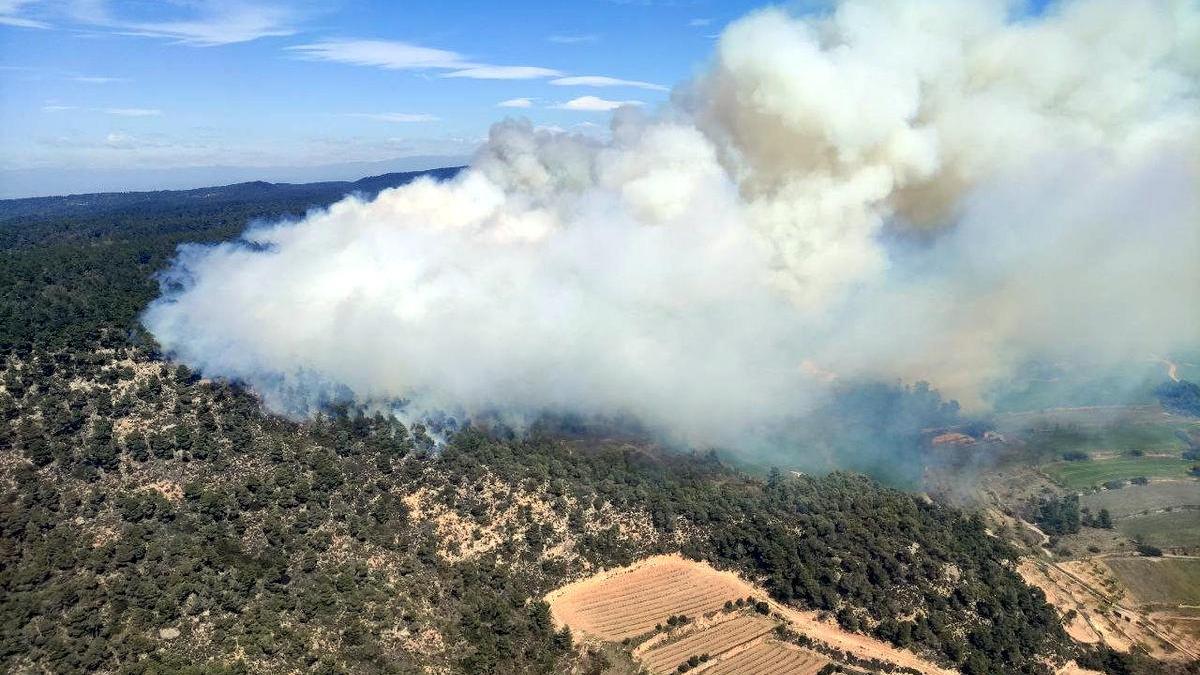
257, 191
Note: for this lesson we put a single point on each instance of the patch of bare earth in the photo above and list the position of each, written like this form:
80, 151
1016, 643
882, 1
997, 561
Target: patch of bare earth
632, 601
1096, 609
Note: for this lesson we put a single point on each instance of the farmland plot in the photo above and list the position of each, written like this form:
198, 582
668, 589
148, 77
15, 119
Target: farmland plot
633, 601
769, 658
1168, 581
1136, 499
713, 640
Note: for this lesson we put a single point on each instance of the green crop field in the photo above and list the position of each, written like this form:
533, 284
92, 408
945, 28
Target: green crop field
1165, 530
1054, 441
1168, 581
1092, 472
1135, 499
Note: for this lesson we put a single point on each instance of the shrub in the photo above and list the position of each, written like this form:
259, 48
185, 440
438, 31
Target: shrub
1148, 550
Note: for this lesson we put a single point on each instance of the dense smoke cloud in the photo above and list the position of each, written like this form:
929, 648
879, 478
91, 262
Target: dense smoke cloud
913, 190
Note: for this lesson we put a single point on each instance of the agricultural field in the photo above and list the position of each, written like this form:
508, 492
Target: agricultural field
1174, 530
664, 657
630, 606
1093, 472
1144, 499
634, 601
769, 658
1159, 581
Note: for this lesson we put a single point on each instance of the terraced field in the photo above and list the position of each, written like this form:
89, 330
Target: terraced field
769, 658
634, 602
712, 640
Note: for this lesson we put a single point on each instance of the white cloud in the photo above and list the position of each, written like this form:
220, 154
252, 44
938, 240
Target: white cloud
211, 24
699, 23
602, 81
396, 117
22, 23
387, 54
485, 72
87, 79
594, 104
120, 112
131, 112
573, 39
10, 14
394, 55
121, 141
516, 103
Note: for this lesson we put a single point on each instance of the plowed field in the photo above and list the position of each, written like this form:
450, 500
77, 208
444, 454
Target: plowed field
769, 658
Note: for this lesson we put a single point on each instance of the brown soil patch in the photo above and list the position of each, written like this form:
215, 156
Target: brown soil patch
631, 601
172, 491
1101, 613
1072, 668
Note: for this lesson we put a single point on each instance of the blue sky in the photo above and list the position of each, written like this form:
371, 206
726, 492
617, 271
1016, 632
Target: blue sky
103, 85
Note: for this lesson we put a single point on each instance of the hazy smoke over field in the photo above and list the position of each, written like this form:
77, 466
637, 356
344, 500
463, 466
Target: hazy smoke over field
913, 190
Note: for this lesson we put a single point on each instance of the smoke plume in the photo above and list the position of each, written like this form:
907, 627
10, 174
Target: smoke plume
918, 190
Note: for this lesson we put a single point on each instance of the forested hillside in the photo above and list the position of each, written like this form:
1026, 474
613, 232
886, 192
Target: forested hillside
154, 521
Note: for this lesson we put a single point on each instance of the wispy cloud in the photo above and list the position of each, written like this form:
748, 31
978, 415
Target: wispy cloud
386, 54
396, 117
699, 23
119, 112
602, 81
8, 20
394, 55
131, 112
91, 79
573, 39
13, 13
483, 72
208, 24
594, 104
516, 103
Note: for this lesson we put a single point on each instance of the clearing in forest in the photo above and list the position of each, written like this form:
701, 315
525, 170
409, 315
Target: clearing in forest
632, 601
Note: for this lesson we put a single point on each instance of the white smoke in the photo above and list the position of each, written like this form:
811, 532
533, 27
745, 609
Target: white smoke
917, 190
